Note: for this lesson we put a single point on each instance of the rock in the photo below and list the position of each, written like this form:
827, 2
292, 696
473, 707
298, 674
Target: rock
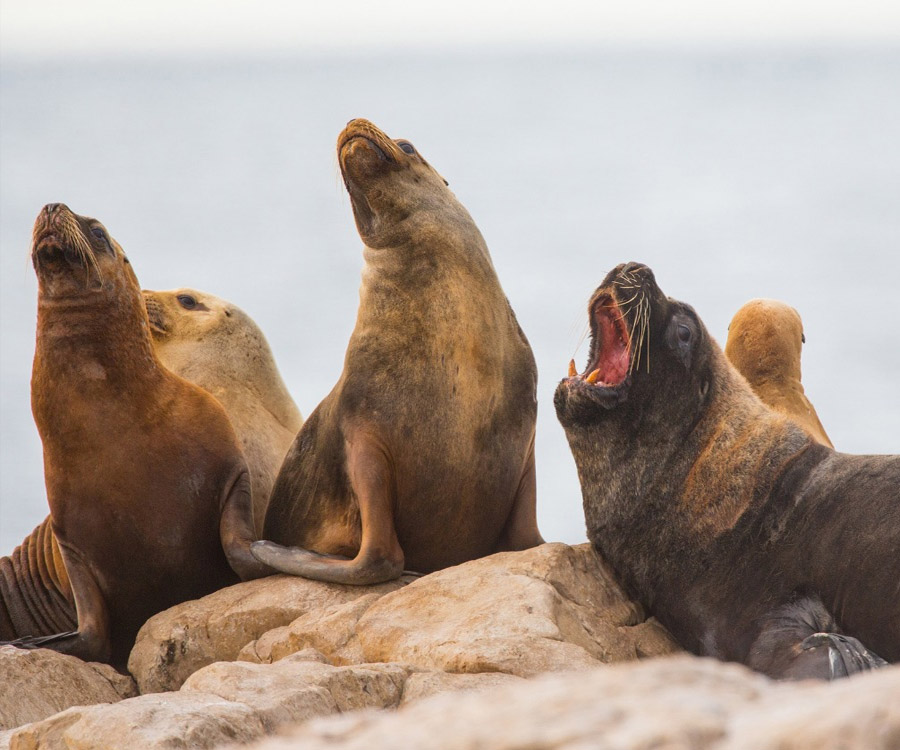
424, 684
330, 630
678, 702
174, 644
550, 608
295, 689
148, 722
35, 684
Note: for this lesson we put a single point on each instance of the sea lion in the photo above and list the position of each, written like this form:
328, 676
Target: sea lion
423, 453
764, 341
148, 489
748, 540
216, 345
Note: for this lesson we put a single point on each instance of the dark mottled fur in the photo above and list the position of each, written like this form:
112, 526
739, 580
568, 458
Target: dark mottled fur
717, 512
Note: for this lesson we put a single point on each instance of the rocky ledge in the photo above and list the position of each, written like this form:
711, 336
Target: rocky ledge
279, 654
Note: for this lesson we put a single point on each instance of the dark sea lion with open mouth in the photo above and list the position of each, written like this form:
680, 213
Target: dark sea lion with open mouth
422, 456
148, 489
747, 539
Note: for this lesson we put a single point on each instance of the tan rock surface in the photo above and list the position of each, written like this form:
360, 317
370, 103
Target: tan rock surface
550, 608
673, 703
425, 684
174, 644
295, 689
148, 722
35, 684
330, 630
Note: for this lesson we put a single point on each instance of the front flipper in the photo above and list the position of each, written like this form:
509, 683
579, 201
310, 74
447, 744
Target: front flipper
237, 532
380, 557
92, 640
801, 641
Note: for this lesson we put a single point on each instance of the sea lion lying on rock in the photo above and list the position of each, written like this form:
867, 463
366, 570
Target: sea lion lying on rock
422, 456
216, 345
148, 489
745, 538
764, 341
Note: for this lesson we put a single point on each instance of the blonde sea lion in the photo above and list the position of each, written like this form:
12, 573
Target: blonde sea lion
216, 345
765, 338
748, 540
148, 489
423, 453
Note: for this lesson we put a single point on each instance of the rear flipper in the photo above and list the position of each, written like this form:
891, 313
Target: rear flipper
802, 641
332, 568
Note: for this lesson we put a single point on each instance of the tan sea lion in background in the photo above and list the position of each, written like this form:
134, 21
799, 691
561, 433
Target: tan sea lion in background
216, 345
748, 540
148, 489
422, 456
765, 338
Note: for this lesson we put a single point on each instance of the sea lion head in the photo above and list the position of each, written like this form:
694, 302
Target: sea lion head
192, 315
765, 338
74, 256
388, 181
649, 359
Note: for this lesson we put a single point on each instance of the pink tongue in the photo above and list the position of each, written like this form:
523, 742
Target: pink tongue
613, 362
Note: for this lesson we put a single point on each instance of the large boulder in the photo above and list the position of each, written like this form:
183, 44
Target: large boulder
301, 686
550, 608
148, 722
39, 683
174, 644
678, 702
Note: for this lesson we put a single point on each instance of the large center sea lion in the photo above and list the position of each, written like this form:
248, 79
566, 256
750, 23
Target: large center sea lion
216, 345
423, 453
764, 341
743, 536
148, 489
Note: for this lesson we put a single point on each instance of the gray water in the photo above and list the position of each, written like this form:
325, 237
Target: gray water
734, 176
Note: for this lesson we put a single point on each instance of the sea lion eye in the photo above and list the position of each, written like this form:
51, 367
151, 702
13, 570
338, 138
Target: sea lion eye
98, 233
406, 147
802, 338
684, 334
186, 301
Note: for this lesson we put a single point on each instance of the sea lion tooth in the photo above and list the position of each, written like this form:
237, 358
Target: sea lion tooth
722, 515
369, 488
594, 375
573, 371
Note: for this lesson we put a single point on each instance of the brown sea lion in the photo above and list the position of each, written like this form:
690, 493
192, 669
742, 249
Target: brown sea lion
764, 341
216, 345
423, 453
148, 489
743, 536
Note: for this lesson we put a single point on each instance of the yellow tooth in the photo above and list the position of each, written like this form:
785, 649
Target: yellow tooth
592, 378
572, 371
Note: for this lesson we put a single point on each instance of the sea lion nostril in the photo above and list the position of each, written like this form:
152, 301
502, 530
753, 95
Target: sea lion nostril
52, 208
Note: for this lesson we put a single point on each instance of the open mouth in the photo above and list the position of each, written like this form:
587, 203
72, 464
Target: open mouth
609, 360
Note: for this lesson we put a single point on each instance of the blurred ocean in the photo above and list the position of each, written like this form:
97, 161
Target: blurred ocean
734, 175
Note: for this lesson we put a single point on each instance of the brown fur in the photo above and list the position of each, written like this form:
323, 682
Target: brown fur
148, 490
765, 338
723, 517
423, 453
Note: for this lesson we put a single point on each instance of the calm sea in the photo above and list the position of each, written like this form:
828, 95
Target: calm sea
734, 175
